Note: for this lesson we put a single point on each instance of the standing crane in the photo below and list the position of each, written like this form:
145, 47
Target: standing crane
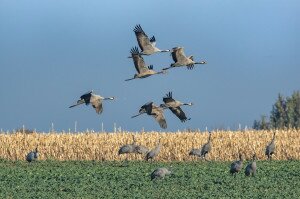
174, 106
251, 167
143, 71
128, 148
32, 155
180, 59
95, 100
236, 166
206, 148
270, 149
157, 112
154, 152
148, 46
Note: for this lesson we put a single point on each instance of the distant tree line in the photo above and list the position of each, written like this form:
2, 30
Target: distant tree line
285, 114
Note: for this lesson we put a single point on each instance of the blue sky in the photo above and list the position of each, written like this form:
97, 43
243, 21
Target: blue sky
51, 52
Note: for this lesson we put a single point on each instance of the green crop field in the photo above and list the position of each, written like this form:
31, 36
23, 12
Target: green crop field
93, 179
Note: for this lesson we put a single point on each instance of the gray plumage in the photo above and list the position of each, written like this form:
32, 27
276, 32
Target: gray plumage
160, 173
32, 156
174, 106
141, 149
251, 167
95, 100
206, 148
128, 148
155, 111
180, 59
133, 148
148, 46
143, 71
270, 149
154, 152
236, 166
195, 152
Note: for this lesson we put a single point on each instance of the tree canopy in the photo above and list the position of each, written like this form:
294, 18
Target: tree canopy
285, 113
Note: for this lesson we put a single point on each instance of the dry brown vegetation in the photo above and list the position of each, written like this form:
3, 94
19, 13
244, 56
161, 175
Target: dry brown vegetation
176, 145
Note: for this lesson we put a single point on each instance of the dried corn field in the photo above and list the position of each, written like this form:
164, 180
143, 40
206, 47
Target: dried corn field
176, 145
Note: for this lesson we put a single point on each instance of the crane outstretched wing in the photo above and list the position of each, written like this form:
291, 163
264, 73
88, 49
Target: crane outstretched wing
179, 54
138, 60
179, 113
142, 39
158, 114
86, 97
96, 102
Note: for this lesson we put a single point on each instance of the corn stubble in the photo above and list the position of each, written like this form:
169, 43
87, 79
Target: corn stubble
176, 145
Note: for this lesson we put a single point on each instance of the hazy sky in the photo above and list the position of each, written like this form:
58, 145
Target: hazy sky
53, 51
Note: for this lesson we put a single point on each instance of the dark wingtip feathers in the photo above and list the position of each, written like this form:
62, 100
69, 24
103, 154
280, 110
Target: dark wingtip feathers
134, 51
138, 29
152, 39
169, 94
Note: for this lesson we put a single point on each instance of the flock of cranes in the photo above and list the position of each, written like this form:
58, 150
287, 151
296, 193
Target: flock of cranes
157, 111
235, 167
148, 47
134, 148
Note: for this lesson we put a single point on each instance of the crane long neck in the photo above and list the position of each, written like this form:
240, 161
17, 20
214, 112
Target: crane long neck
164, 50
273, 139
108, 98
202, 62
209, 137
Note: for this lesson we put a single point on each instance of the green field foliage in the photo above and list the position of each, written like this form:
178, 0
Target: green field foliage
93, 179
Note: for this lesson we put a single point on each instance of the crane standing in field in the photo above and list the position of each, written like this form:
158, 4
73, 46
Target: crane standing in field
95, 100
155, 111
154, 152
148, 46
160, 173
236, 166
270, 149
206, 148
174, 106
32, 155
251, 167
143, 71
180, 59
128, 148
132, 148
